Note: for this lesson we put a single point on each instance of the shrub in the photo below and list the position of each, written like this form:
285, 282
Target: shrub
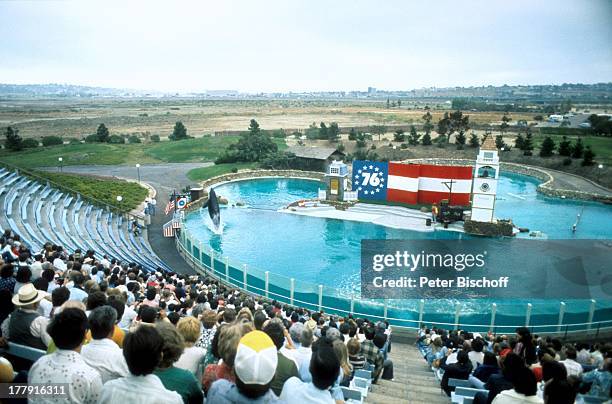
155, 138
373, 147
234, 170
74, 140
52, 140
29, 143
404, 146
116, 139
93, 138
134, 139
567, 161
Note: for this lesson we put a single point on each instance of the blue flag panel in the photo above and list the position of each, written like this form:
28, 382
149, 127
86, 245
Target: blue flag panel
370, 179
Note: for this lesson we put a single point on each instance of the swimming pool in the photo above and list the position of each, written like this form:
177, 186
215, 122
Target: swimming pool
318, 251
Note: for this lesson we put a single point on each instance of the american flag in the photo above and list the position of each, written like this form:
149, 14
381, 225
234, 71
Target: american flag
169, 206
169, 229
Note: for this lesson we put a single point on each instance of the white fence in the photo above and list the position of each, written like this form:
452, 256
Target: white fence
350, 196
322, 194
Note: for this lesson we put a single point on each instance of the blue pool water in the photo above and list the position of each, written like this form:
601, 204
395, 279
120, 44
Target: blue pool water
327, 251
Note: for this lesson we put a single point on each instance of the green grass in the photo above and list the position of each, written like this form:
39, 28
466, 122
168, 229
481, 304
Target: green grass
602, 146
104, 191
190, 150
204, 173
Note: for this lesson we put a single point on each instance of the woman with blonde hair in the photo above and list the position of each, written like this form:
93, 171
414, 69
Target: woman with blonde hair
193, 356
346, 369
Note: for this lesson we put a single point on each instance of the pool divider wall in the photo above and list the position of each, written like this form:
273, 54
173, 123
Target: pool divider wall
501, 318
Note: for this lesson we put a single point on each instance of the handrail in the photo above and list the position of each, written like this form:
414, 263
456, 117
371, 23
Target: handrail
597, 326
94, 201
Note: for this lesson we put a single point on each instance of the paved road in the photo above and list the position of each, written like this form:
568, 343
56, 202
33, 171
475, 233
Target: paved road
575, 183
164, 178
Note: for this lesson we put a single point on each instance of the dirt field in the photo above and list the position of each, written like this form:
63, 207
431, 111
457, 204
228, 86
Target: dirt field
75, 118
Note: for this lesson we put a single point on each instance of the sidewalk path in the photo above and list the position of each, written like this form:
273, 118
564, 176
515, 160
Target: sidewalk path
164, 178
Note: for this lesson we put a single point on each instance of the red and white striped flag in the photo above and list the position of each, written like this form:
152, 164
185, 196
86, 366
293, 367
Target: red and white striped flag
169, 207
427, 184
169, 229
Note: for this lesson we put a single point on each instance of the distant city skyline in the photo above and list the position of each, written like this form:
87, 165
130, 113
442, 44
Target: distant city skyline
305, 46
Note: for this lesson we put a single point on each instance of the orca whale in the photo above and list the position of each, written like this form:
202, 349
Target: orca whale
213, 208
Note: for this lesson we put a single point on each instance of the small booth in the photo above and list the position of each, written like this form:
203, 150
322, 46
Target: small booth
336, 180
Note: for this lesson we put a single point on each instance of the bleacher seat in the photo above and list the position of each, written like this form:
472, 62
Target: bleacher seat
459, 383
466, 394
351, 396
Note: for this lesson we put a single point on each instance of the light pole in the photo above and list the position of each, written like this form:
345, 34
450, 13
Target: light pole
394, 149
119, 198
138, 169
600, 167
60, 160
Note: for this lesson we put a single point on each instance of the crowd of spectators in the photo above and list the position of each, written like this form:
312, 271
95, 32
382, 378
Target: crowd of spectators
521, 368
116, 333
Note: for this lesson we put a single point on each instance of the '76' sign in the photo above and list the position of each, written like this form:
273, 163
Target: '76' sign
370, 179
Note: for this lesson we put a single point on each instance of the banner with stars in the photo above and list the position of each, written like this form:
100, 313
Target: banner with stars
370, 179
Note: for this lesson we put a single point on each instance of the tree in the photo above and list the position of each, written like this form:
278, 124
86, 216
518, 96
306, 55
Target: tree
460, 140
538, 118
52, 141
399, 103
504, 125
565, 106
253, 145
13, 141
454, 122
600, 124
275, 161
352, 134
388, 103
379, 130
413, 140
528, 144
565, 147
519, 141
361, 140
333, 132
323, 131
427, 126
102, 133
589, 155
398, 136
578, 149
30, 143
499, 142
547, 148
180, 131
474, 141
426, 141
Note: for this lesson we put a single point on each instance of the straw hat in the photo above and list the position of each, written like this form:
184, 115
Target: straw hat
27, 295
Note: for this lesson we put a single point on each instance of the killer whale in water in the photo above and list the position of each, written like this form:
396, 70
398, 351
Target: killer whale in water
213, 208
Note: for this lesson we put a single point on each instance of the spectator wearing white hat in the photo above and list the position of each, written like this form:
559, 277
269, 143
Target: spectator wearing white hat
25, 325
254, 366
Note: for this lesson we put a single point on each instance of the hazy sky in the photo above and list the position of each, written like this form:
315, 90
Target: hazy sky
308, 45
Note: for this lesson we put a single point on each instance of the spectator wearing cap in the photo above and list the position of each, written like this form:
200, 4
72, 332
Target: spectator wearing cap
193, 356
286, 367
66, 365
25, 325
142, 352
228, 339
255, 366
102, 353
324, 368
173, 378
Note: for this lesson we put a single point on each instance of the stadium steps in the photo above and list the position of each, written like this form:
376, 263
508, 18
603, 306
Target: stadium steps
39, 213
413, 380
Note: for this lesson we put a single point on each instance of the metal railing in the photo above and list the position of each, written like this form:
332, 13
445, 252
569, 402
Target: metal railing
277, 287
